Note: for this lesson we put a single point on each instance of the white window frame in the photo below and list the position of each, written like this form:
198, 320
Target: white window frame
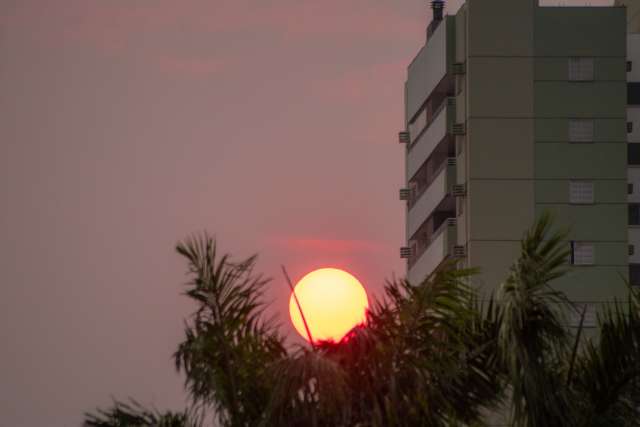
581, 69
581, 130
581, 192
583, 253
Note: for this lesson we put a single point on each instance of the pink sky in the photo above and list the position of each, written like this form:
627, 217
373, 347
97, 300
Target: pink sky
128, 125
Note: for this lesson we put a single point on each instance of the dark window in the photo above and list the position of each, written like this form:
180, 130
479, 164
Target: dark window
633, 154
634, 274
629, 127
629, 66
629, 188
634, 213
633, 93
632, 250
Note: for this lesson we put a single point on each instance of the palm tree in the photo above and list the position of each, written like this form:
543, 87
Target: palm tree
533, 338
553, 376
606, 376
412, 364
429, 354
228, 345
134, 415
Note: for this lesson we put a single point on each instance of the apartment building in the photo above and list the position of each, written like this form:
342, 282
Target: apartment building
513, 109
633, 135
633, 14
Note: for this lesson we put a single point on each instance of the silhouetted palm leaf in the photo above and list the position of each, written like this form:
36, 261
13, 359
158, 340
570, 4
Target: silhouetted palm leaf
228, 345
533, 337
308, 390
134, 415
428, 355
608, 369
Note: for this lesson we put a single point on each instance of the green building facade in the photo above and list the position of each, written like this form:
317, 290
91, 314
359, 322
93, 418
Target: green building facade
513, 109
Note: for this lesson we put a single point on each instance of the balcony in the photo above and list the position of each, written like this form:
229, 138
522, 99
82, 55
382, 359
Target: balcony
427, 69
438, 248
427, 202
431, 136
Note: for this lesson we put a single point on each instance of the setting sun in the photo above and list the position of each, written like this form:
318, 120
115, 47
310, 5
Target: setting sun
333, 302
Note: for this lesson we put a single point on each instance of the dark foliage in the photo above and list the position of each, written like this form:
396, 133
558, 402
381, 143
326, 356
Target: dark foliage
430, 353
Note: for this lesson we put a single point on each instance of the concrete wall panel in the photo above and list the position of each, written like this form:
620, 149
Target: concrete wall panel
603, 223
593, 283
494, 258
580, 161
580, 31
501, 27
500, 87
633, 55
557, 130
580, 99
501, 149
557, 69
500, 209
557, 191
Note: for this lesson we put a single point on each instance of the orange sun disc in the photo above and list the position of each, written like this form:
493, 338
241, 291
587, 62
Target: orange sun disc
333, 302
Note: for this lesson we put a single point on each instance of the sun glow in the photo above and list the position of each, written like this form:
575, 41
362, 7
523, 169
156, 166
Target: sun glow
333, 302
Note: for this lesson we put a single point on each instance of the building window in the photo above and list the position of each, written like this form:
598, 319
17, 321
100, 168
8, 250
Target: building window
629, 127
630, 188
582, 253
634, 274
633, 154
632, 250
581, 130
581, 69
633, 93
634, 213
629, 66
581, 192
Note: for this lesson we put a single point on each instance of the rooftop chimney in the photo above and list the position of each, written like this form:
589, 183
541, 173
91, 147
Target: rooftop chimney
438, 11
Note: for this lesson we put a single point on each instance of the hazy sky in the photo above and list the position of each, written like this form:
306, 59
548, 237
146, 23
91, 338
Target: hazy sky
126, 125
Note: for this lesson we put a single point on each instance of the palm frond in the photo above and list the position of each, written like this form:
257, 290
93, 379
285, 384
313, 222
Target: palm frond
532, 336
308, 390
608, 374
228, 344
133, 414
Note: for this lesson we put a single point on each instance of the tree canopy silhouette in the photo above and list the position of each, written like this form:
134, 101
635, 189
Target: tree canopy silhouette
430, 354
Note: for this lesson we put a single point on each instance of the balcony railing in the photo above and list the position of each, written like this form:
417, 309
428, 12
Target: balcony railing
430, 139
414, 196
427, 202
438, 248
441, 103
